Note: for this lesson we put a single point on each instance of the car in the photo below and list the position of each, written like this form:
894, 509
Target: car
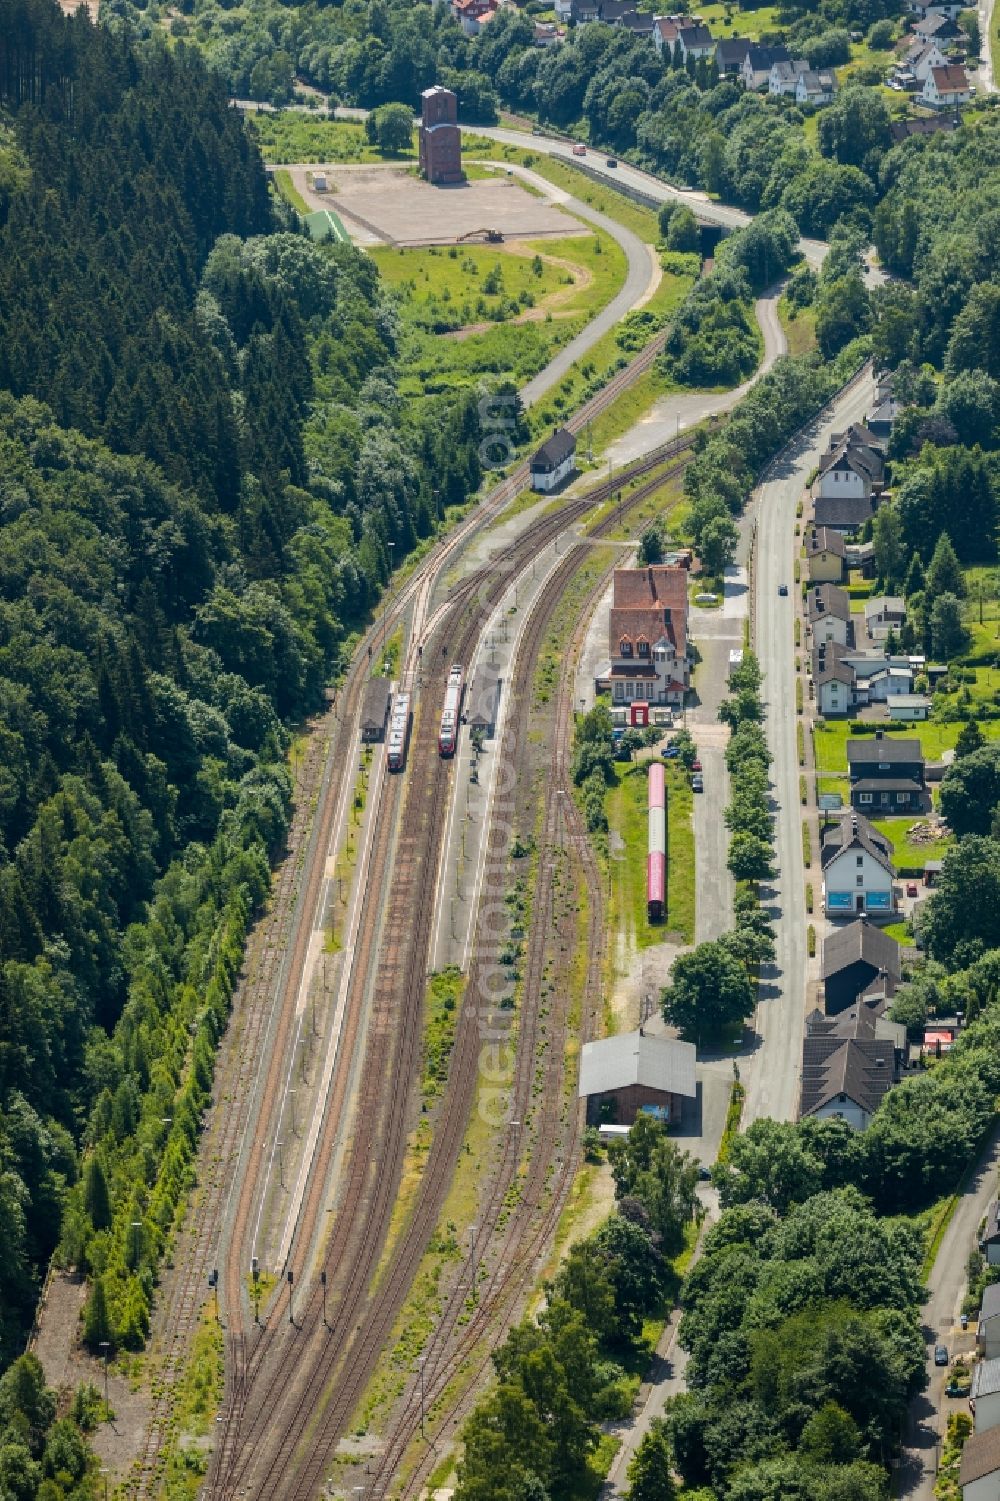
696, 765
782, 588
911, 888
940, 1354
536, 130
612, 161
697, 782
670, 752
705, 1173
579, 150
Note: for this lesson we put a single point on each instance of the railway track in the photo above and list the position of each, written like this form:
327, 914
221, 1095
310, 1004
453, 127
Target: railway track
365, 1222
261, 1019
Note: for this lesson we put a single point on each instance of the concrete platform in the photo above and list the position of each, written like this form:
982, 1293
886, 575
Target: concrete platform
402, 210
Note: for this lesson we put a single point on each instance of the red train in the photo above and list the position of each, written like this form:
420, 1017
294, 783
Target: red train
453, 693
656, 860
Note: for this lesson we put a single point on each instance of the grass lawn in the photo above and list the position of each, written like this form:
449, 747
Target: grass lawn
448, 287
627, 807
830, 740
907, 856
294, 137
745, 23
290, 193
798, 326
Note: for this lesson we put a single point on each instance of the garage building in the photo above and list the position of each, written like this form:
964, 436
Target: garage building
620, 1076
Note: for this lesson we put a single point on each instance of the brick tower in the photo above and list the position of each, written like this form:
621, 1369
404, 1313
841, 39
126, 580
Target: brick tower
440, 138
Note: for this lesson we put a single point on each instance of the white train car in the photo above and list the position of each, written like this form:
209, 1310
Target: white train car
448, 737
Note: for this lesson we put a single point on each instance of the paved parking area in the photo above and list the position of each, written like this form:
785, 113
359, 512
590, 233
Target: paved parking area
402, 210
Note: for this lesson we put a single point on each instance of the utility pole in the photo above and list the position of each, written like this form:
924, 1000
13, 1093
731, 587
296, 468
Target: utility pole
322, 1283
281, 1164
291, 1279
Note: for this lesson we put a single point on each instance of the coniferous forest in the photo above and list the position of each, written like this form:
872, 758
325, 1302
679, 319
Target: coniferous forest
202, 461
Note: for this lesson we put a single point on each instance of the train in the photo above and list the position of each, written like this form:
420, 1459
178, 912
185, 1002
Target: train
399, 732
656, 859
454, 690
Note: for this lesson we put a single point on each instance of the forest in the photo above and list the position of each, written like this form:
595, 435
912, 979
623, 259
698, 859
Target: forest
203, 461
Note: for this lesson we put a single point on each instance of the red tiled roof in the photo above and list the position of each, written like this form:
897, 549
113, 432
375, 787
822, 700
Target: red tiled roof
950, 79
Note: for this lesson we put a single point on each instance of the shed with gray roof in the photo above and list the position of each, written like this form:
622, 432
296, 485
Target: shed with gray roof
633, 1072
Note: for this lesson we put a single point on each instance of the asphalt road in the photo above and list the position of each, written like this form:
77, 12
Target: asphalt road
946, 1288
986, 84
662, 192
772, 1072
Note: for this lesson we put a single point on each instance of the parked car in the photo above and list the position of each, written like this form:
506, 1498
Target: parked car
911, 888
697, 782
536, 130
671, 751
579, 150
782, 588
940, 1354
612, 161
696, 765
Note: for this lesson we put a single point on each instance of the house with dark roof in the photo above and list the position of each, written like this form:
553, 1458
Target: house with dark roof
554, 461
833, 681
858, 874
887, 775
984, 1396
785, 75
632, 1072
988, 1328
828, 610
613, 12
647, 636
921, 125
922, 57
695, 41
854, 959
826, 551
883, 613
816, 87
935, 19
757, 65
849, 1064
883, 414
375, 710
730, 55
979, 1472
851, 469
638, 22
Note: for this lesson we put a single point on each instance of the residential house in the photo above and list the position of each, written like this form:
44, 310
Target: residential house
785, 75
547, 34
887, 775
979, 1471
472, 15
665, 31
853, 466
828, 610
861, 555
989, 1241
920, 125
849, 1063
825, 555
584, 10
631, 1073
730, 55
883, 414
924, 9
907, 708
936, 27
988, 1330
638, 22
947, 87
853, 959
563, 10
757, 65
554, 461
858, 874
695, 41
883, 613
816, 87
833, 682
647, 636
984, 1397
614, 11
877, 676
922, 57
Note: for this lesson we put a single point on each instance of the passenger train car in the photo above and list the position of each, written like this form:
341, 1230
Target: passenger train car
448, 738
399, 732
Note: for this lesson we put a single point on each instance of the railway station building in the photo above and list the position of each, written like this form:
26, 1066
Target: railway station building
621, 1076
375, 710
647, 636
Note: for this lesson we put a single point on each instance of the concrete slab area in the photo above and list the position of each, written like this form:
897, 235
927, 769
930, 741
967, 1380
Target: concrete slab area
398, 209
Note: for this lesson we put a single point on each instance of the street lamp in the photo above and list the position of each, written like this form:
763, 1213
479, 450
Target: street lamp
322, 1283
281, 1164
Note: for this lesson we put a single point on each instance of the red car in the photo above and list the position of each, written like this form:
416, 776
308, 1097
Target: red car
911, 888
696, 766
